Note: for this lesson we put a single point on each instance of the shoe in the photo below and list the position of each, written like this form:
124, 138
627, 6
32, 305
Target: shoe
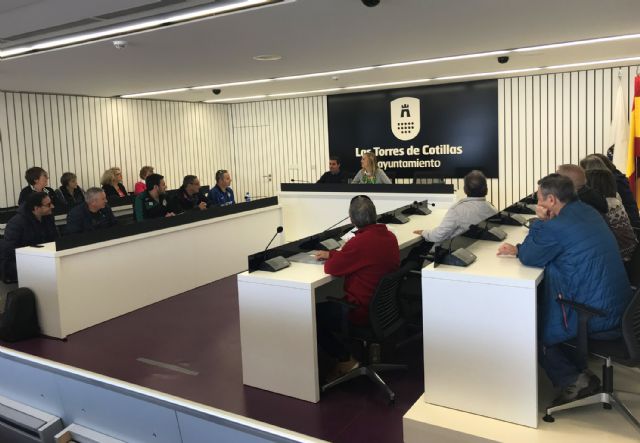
585, 385
342, 368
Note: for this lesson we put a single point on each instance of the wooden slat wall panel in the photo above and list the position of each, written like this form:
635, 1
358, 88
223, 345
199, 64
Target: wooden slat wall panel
87, 135
544, 121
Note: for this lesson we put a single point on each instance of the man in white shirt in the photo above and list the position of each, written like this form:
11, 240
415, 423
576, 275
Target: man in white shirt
464, 213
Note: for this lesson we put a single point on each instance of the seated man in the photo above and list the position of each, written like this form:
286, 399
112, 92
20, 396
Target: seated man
334, 174
464, 213
582, 263
188, 196
584, 192
91, 215
221, 194
32, 225
152, 203
363, 261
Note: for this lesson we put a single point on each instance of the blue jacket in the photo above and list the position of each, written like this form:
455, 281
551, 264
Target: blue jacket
219, 198
582, 263
80, 219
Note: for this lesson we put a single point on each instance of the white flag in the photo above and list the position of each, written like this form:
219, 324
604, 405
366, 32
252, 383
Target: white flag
620, 131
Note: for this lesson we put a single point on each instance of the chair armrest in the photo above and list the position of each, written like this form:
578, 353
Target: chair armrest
582, 308
341, 301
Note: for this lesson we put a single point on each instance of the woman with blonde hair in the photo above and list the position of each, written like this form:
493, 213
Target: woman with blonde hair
370, 172
141, 186
111, 182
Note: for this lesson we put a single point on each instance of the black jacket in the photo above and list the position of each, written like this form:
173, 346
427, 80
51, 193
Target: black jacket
593, 198
110, 191
182, 202
27, 191
145, 207
68, 200
80, 219
629, 203
328, 177
23, 229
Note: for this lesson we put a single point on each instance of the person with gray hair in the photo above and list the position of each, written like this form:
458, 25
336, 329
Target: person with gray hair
582, 264
372, 253
464, 213
92, 215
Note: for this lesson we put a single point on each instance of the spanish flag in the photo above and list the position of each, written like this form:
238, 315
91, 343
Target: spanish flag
633, 150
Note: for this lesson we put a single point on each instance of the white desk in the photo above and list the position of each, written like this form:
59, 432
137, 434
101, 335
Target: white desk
81, 287
480, 352
278, 320
306, 213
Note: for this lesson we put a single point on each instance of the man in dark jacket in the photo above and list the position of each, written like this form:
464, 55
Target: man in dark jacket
363, 261
32, 225
91, 215
188, 196
152, 203
582, 263
334, 174
584, 192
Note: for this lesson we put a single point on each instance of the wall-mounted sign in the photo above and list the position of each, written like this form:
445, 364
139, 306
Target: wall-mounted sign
446, 130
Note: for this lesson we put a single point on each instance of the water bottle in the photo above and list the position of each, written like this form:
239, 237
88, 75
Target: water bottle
247, 197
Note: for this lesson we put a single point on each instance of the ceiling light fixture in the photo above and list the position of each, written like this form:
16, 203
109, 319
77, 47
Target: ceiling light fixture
316, 91
169, 19
267, 57
445, 59
484, 74
251, 97
598, 62
225, 85
378, 85
326, 73
144, 94
590, 41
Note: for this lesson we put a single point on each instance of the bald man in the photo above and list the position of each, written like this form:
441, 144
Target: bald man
585, 194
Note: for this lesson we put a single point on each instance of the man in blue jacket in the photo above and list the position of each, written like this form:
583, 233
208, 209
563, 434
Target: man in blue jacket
91, 215
221, 194
582, 263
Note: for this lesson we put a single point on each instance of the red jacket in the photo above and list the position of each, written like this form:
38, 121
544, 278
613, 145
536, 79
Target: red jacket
363, 261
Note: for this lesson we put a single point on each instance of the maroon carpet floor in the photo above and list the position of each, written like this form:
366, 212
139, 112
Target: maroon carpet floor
199, 330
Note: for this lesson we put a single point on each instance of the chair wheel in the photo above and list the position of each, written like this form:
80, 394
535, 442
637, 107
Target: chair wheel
548, 418
606, 406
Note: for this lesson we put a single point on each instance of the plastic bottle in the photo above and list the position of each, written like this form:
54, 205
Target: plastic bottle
247, 197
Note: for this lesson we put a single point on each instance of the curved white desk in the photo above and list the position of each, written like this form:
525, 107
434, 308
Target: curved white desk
81, 287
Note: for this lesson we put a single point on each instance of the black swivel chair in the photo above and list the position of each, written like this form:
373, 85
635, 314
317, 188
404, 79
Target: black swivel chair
633, 268
385, 326
624, 351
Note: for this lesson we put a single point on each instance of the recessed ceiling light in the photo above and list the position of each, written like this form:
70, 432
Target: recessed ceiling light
144, 94
267, 57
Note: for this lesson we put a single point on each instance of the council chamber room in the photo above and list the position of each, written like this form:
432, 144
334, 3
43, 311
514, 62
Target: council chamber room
305, 221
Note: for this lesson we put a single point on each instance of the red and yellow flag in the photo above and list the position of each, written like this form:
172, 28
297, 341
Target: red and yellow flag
633, 151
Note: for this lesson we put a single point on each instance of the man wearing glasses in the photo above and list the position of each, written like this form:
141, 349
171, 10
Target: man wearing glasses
221, 194
32, 225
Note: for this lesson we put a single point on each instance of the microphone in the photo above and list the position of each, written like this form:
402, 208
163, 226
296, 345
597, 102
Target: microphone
336, 224
279, 230
416, 203
293, 180
276, 263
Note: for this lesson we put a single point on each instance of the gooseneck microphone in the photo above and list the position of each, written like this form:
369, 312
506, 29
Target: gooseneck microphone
336, 224
279, 230
293, 180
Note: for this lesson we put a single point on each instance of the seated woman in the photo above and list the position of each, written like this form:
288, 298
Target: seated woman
603, 181
69, 194
112, 183
37, 179
370, 173
141, 186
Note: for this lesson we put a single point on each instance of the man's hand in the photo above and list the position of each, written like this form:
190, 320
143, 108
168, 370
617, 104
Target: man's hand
169, 214
322, 255
202, 206
507, 249
418, 231
542, 213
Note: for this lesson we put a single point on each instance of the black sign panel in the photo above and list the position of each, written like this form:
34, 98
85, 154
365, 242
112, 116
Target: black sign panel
445, 130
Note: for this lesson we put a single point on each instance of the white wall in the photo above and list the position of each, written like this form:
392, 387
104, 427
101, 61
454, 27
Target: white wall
544, 121
87, 135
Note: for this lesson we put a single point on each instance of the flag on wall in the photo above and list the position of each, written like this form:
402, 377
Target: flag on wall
633, 150
620, 130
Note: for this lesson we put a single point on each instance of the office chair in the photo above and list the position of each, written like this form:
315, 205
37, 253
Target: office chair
633, 268
624, 351
385, 324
